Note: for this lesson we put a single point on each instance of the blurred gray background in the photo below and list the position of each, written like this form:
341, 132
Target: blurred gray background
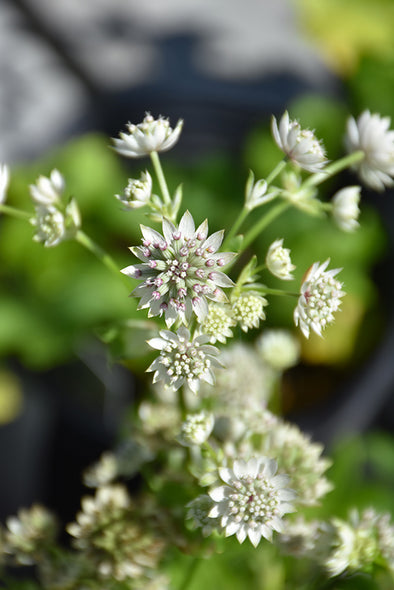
67, 66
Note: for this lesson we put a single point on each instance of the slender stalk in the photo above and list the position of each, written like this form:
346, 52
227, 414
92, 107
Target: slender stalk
190, 572
268, 291
160, 177
334, 168
277, 170
236, 225
182, 403
262, 223
103, 256
13, 212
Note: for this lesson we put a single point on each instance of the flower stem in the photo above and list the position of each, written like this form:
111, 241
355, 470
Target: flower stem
18, 213
236, 225
160, 177
191, 570
277, 170
182, 403
268, 291
103, 256
334, 168
262, 223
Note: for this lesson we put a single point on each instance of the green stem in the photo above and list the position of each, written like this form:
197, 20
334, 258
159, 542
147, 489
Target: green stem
262, 223
191, 570
18, 213
237, 224
160, 177
103, 256
268, 291
182, 403
277, 170
334, 168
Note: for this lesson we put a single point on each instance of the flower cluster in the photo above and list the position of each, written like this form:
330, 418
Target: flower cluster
180, 270
152, 135
320, 297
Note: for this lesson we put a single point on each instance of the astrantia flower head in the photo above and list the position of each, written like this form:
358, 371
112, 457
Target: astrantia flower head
371, 134
48, 191
137, 192
278, 261
253, 500
198, 510
299, 145
183, 359
320, 298
152, 135
196, 429
29, 534
55, 226
255, 193
248, 310
4, 181
180, 271
219, 322
345, 209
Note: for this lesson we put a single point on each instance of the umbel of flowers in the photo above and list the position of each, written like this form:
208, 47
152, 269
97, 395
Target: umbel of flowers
213, 460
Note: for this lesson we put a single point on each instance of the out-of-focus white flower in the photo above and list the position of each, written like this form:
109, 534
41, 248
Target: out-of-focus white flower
198, 510
138, 192
48, 191
279, 349
219, 322
182, 359
278, 261
320, 297
4, 182
299, 145
255, 193
371, 134
196, 429
152, 135
345, 208
29, 534
253, 500
180, 271
248, 310
55, 226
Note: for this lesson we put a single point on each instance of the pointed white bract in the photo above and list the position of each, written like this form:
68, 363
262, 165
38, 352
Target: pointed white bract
345, 209
183, 360
4, 182
320, 298
181, 270
48, 191
278, 261
253, 499
137, 192
299, 145
152, 135
371, 134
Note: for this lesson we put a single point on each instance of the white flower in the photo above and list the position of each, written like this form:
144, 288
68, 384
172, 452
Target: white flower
279, 348
196, 429
182, 359
253, 500
219, 322
371, 134
199, 509
278, 261
320, 297
180, 271
255, 193
138, 192
345, 208
299, 145
29, 534
48, 191
248, 310
55, 226
152, 135
4, 181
